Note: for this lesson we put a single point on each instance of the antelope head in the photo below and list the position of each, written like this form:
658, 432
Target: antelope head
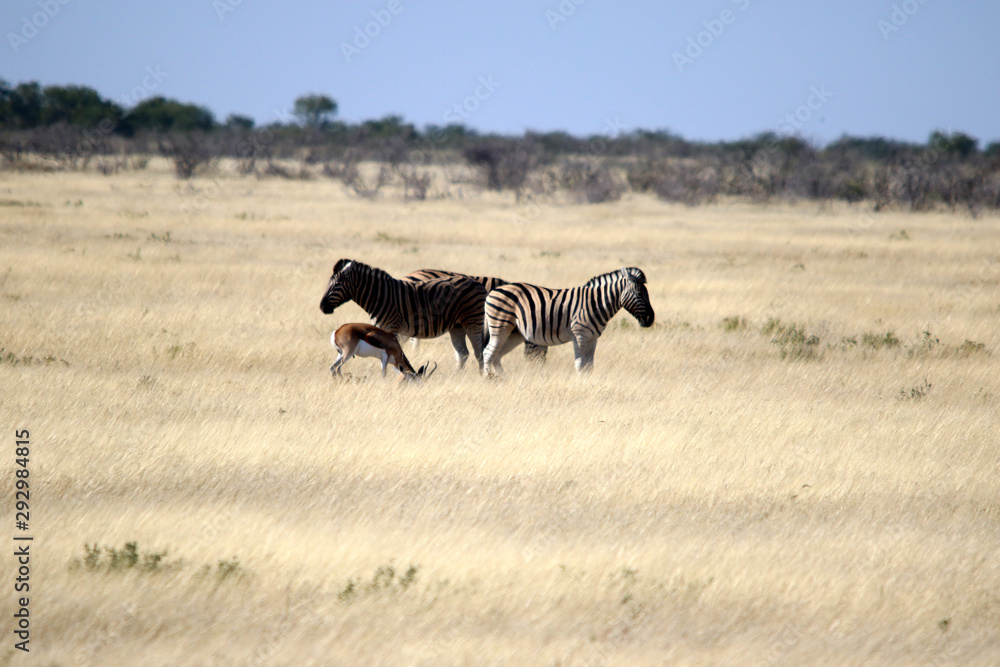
420, 375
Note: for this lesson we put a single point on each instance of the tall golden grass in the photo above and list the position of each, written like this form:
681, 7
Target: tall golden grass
796, 465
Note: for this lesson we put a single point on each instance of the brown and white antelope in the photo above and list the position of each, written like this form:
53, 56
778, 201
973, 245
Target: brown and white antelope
366, 340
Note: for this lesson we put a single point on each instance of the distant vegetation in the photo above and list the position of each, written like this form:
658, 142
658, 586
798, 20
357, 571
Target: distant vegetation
73, 127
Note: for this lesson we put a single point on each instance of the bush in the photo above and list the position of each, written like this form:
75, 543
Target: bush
505, 164
188, 152
600, 186
686, 182
415, 185
363, 188
791, 340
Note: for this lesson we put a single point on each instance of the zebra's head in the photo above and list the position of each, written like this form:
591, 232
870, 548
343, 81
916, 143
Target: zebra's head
635, 298
338, 290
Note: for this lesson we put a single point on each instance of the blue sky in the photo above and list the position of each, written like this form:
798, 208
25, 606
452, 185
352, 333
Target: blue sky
713, 70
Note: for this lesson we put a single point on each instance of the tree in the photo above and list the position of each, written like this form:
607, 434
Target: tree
162, 114
235, 121
956, 143
77, 105
447, 136
22, 106
869, 148
388, 127
314, 110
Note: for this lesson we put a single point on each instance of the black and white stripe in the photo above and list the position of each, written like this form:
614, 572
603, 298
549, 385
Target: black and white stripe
531, 351
545, 316
424, 275
419, 310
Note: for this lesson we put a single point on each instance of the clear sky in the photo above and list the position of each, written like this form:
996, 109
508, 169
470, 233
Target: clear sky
720, 69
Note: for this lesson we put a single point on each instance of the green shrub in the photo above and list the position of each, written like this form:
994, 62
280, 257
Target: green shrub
877, 341
792, 340
98, 558
734, 323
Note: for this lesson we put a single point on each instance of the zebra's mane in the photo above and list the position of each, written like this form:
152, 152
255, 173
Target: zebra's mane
633, 271
370, 271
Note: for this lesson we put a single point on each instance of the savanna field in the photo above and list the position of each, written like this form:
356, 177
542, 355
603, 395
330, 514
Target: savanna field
797, 464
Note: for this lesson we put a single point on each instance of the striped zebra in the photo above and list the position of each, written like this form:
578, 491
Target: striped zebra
544, 316
532, 352
426, 310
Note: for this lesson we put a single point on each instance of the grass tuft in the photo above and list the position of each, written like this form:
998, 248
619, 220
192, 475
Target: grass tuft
735, 323
97, 558
385, 580
916, 393
791, 339
878, 341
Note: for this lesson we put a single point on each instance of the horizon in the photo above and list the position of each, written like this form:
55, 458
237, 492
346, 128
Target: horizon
897, 70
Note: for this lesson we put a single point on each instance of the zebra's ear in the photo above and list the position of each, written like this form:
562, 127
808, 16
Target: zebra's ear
625, 273
341, 265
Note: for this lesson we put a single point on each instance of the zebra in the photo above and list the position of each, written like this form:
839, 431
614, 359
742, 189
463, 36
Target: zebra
425, 310
423, 275
532, 352
544, 316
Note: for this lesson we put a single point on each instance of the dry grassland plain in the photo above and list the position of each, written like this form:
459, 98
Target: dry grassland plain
796, 465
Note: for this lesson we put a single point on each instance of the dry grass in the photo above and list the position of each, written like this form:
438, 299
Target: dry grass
764, 477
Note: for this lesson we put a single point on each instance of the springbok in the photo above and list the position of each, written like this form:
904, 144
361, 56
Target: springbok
366, 340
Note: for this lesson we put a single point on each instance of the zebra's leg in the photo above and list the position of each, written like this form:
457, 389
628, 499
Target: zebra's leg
583, 350
492, 354
515, 339
475, 335
461, 350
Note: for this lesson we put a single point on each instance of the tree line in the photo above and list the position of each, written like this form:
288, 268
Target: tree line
73, 125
